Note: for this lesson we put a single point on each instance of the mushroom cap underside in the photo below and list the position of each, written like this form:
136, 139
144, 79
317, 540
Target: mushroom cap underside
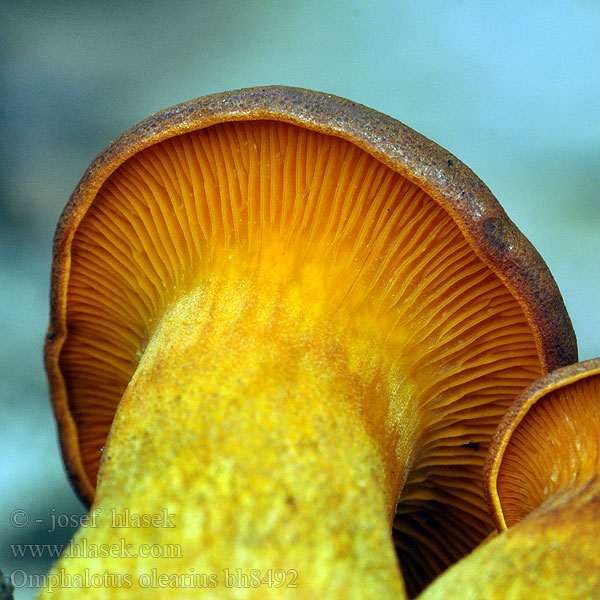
547, 448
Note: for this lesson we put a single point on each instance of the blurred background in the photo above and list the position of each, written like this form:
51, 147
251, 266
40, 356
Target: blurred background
513, 91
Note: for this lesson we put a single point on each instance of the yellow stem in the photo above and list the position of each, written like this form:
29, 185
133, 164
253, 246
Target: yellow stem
244, 440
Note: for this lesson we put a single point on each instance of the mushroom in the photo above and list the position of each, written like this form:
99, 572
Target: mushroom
292, 323
543, 486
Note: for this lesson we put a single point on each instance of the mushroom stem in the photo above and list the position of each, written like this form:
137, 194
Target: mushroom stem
237, 385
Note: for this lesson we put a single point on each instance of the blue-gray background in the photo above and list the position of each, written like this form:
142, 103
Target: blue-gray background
514, 91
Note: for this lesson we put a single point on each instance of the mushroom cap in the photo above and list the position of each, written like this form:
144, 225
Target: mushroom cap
547, 448
517, 326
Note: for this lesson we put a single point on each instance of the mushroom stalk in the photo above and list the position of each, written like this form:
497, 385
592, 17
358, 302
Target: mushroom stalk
236, 384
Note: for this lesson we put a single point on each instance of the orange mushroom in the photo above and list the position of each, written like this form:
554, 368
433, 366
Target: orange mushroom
543, 485
291, 321
547, 448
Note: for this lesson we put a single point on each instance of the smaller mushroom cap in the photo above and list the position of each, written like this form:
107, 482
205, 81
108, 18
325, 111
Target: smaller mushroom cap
547, 448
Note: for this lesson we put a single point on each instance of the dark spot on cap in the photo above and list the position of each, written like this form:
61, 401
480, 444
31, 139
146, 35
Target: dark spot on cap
472, 445
498, 234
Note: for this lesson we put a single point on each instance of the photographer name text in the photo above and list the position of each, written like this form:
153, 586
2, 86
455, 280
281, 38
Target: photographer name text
119, 519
